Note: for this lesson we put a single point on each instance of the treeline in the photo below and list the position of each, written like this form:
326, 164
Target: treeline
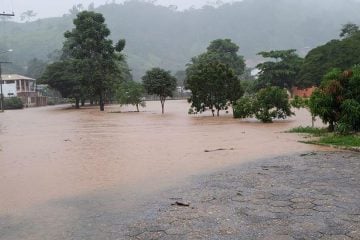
91, 67
173, 37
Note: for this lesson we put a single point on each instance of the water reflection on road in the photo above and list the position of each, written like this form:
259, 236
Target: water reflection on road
55, 152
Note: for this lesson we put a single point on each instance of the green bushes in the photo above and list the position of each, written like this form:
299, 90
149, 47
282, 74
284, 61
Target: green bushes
337, 100
13, 103
267, 104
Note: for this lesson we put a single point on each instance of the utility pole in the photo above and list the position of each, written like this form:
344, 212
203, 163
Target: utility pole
1, 89
3, 14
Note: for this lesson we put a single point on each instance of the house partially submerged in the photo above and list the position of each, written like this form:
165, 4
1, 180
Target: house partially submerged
15, 85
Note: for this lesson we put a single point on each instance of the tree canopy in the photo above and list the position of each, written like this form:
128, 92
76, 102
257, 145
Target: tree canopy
267, 104
213, 77
341, 54
159, 82
64, 77
337, 100
214, 86
88, 43
281, 71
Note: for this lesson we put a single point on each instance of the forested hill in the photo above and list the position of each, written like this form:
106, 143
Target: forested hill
161, 36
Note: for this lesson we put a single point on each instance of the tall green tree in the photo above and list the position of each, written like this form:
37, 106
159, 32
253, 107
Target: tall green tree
159, 82
214, 86
281, 71
337, 100
65, 77
343, 54
213, 77
226, 52
89, 44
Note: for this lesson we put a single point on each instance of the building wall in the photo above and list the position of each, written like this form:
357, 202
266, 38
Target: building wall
9, 90
305, 93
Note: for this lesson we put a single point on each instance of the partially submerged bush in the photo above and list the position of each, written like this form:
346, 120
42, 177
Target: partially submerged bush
268, 104
13, 103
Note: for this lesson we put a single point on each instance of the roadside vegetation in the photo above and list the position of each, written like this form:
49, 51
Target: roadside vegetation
321, 136
13, 103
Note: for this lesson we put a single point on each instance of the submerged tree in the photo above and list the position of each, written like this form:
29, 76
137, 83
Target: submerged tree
64, 77
267, 104
131, 93
161, 83
213, 77
89, 44
214, 86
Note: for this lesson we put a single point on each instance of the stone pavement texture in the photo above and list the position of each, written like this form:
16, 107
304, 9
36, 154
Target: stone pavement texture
307, 196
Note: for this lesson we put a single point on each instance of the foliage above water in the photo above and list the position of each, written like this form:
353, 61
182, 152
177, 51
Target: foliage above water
88, 67
343, 54
267, 104
337, 100
213, 77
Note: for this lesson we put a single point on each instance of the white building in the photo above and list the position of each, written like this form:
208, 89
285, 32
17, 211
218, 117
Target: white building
20, 86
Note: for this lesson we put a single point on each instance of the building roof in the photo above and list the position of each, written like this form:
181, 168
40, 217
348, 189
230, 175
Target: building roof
11, 77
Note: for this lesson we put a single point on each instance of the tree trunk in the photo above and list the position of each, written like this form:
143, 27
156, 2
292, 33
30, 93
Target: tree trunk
82, 102
331, 127
213, 112
77, 103
91, 102
137, 107
101, 103
312, 121
218, 113
162, 105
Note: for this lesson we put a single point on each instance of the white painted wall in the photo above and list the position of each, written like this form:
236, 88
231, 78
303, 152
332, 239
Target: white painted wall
9, 88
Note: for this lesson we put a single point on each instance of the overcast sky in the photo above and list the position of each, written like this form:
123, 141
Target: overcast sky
51, 8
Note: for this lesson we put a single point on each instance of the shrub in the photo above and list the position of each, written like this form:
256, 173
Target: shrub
269, 103
337, 100
13, 103
244, 107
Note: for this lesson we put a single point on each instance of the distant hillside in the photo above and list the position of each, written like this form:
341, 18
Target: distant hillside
160, 36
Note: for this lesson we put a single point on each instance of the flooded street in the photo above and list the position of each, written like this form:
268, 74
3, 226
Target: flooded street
56, 153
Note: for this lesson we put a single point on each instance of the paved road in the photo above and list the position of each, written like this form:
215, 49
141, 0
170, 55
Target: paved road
308, 196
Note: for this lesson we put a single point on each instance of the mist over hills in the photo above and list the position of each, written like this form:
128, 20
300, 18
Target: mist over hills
161, 36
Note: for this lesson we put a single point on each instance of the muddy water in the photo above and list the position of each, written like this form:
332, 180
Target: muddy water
54, 152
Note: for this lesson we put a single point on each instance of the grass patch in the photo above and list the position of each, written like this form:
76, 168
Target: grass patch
309, 130
326, 138
340, 140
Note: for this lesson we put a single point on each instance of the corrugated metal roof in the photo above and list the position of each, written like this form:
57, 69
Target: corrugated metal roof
9, 77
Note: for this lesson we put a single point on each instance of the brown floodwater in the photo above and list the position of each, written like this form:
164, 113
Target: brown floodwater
51, 153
